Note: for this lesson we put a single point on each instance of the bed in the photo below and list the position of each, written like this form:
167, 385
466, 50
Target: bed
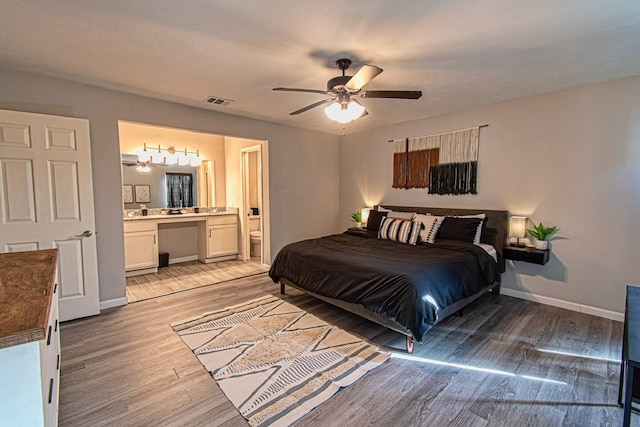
405, 287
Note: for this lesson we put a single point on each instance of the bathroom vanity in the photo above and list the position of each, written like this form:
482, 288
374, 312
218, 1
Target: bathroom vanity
216, 233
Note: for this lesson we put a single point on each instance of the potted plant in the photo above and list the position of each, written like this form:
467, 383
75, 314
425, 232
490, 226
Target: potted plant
541, 234
357, 218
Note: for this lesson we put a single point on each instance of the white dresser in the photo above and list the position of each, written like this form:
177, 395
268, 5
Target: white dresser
29, 338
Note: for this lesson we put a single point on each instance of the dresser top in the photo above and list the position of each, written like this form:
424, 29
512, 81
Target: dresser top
26, 287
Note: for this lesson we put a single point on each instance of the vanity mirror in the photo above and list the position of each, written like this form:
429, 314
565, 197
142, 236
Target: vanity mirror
186, 185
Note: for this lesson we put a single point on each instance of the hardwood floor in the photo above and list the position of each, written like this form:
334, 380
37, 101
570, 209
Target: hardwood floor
188, 275
506, 362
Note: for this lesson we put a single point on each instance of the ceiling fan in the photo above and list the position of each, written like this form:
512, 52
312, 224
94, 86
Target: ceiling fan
340, 89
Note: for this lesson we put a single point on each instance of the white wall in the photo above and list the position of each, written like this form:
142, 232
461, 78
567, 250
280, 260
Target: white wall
293, 153
569, 158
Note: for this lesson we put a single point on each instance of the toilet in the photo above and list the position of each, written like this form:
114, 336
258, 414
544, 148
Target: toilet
255, 236
256, 241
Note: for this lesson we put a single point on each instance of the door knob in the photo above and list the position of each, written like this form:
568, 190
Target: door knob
87, 233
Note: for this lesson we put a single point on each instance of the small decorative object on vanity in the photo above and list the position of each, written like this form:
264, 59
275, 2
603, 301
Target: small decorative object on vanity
542, 234
357, 218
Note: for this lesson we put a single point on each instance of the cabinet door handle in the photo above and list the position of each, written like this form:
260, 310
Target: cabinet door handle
49, 336
50, 390
154, 239
209, 233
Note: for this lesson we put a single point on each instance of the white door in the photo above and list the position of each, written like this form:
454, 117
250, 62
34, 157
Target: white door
46, 201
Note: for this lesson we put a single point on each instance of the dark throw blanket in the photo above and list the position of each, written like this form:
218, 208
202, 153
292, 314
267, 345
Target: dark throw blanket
411, 285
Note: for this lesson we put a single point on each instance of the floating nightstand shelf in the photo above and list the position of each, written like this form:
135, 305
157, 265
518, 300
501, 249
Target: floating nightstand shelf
526, 254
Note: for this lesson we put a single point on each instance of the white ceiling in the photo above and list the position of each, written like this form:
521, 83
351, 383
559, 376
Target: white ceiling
460, 53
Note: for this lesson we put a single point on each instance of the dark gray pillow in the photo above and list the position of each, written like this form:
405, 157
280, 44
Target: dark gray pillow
375, 218
463, 229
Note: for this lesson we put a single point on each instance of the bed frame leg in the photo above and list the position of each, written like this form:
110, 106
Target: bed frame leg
410, 344
281, 288
495, 290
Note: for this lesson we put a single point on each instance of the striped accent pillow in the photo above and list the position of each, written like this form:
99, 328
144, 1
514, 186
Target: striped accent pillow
399, 230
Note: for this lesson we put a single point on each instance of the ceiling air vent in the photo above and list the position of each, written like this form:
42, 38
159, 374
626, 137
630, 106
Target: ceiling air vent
216, 100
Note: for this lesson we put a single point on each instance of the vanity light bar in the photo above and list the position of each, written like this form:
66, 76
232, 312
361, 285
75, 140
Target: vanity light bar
169, 156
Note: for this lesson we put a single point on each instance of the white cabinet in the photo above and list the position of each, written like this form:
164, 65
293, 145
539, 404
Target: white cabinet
221, 238
217, 237
30, 350
140, 245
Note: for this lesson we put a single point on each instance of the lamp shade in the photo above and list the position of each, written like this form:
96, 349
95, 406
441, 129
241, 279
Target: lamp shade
518, 226
365, 215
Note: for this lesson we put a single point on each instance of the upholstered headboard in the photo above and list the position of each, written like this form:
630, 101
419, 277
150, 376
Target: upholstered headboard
494, 227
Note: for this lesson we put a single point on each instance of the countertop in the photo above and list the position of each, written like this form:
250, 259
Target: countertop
184, 215
27, 281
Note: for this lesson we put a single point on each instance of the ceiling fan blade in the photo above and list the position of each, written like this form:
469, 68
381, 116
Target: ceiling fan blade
401, 94
290, 89
314, 105
362, 77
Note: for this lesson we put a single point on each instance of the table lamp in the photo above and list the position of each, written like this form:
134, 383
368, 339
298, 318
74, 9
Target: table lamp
518, 229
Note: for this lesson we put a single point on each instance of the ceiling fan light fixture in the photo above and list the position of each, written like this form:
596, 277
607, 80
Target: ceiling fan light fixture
143, 167
345, 112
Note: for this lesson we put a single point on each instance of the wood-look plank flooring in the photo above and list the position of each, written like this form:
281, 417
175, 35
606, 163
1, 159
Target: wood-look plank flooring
188, 275
506, 362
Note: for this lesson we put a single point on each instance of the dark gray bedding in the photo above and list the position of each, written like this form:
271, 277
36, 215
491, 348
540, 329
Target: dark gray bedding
411, 285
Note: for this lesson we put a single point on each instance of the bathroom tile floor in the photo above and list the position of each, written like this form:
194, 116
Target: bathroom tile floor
189, 275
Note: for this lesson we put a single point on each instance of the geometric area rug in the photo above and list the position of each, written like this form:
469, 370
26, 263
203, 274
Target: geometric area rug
274, 361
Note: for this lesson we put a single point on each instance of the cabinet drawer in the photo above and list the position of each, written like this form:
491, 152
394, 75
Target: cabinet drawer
141, 225
222, 219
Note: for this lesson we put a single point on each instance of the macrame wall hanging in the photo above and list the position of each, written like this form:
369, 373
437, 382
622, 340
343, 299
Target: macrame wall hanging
445, 163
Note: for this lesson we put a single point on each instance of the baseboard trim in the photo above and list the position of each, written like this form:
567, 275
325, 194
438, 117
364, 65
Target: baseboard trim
587, 309
183, 259
133, 273
116, 302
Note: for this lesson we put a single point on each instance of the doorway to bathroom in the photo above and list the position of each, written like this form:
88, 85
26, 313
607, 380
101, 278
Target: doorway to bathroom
218, 184
251, 166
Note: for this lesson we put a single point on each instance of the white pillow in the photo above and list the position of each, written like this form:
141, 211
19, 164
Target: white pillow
401, 215
431, 225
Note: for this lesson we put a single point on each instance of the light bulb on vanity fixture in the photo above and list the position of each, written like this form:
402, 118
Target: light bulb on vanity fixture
168, 156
